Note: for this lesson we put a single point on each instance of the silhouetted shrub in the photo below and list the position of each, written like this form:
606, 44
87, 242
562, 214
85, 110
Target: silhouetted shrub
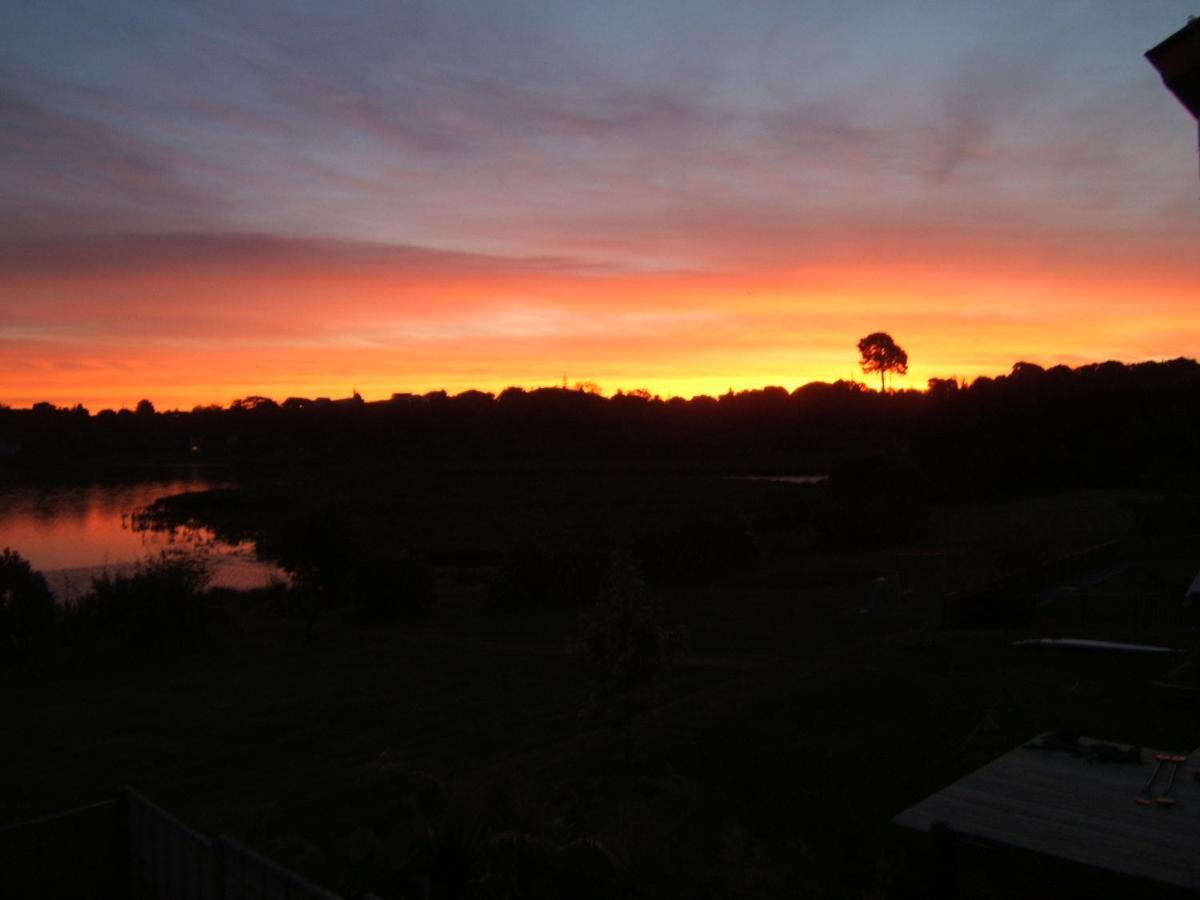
625, 647
28, 613
156, 610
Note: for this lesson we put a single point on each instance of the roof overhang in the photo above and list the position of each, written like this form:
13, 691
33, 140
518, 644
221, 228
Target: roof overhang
1177, 60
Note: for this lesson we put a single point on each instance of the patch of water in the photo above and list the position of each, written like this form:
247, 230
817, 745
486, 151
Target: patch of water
71, 533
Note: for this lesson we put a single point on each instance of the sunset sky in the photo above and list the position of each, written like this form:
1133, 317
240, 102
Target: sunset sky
206, 201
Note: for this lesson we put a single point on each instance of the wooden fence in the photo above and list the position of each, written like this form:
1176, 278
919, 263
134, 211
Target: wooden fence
133, 849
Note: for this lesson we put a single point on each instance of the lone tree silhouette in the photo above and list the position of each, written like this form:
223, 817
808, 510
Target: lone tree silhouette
881, 354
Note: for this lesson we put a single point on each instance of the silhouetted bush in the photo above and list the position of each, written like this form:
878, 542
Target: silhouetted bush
28, 613
625, 646
157, 609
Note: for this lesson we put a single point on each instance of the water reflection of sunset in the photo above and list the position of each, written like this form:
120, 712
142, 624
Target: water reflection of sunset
73, 532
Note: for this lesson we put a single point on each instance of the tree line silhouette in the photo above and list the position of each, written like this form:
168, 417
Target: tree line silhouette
1105, 423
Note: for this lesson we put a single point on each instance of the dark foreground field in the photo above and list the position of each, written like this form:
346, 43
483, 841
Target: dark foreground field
789, 731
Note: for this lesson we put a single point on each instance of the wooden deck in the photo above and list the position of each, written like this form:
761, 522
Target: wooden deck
1058, 804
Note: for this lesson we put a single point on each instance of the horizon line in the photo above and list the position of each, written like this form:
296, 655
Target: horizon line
594, 389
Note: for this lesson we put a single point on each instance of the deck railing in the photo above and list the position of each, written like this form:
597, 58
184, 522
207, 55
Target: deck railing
133, 849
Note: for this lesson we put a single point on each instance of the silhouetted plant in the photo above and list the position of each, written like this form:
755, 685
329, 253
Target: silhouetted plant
155, 610
625, 646
28, 613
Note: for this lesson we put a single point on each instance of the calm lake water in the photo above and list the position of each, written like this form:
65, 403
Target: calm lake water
70, 533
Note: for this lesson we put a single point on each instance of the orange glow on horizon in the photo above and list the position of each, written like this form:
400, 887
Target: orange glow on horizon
196, 333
